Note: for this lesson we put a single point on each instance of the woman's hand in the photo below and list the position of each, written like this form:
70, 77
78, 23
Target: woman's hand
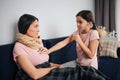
56, 65
43, 50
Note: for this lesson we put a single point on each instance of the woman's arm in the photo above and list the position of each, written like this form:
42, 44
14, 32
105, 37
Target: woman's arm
60, 45
30, 69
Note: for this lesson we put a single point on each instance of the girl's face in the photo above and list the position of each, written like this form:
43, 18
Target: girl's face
82, 24
33, 30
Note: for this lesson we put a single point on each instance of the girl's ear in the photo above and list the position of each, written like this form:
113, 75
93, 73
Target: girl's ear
89, 23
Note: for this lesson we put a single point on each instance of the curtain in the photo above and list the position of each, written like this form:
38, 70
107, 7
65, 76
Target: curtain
105, 14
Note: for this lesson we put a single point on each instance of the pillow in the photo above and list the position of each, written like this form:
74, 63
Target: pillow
109, 46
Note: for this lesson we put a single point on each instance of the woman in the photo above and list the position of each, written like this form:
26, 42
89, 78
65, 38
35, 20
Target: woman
27, 50
87, 41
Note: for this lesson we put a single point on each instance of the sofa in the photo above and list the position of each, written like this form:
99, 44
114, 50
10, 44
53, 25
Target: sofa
107, 65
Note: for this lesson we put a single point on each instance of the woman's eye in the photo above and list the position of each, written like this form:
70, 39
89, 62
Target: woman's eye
80, 22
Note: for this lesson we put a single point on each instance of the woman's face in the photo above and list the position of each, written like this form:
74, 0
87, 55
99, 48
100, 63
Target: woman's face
82, 24
33, 30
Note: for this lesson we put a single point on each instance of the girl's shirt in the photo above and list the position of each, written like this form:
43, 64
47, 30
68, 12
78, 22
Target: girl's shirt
34, 55
82, 57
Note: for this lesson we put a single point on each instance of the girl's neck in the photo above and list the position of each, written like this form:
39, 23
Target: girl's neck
85, 31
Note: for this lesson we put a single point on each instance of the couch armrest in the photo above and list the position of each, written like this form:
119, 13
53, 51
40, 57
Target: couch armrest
110, 67
8, 67
118, 51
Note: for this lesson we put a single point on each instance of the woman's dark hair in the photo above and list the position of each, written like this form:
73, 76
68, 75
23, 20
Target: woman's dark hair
88, 16
25, 21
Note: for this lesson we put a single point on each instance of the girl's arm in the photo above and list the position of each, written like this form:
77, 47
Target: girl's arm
90, 50
30, 69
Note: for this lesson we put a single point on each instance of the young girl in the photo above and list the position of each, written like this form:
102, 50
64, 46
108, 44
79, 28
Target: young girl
87, 41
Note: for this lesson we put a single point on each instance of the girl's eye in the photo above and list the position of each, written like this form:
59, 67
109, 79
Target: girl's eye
36, 26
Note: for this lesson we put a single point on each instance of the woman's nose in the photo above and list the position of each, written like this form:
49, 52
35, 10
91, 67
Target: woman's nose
38, 30
78, 24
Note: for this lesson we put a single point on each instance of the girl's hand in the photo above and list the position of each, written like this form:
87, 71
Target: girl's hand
76, 37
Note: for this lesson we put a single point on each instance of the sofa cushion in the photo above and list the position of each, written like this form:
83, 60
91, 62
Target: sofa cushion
109, 46
63, 55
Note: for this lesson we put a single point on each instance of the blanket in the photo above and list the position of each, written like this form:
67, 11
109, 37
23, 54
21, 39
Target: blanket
68, 73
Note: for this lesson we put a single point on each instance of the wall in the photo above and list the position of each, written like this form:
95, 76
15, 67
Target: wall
118, 18
57, 17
